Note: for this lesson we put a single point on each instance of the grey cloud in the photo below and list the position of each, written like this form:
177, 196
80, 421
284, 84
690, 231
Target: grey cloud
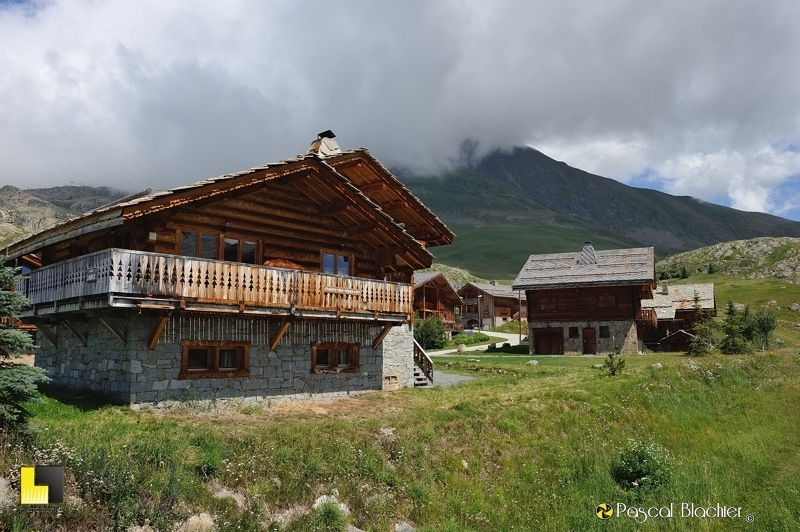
157, 96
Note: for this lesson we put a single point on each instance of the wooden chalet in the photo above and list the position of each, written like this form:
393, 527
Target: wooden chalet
674, 306
435, 296
285, 279
487, 305
588, 302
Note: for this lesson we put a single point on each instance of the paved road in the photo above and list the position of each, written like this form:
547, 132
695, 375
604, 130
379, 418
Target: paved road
512, 339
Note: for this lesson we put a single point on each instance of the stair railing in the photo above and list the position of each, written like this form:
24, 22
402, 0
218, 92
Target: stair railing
423, 361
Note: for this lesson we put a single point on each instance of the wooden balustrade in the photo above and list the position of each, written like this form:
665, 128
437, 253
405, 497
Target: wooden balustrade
423, 361
155, 275
647, 315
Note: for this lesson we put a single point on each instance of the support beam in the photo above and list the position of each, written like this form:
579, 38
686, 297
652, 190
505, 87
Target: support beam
158, 328
379, 339
48, 333
75, 331
115, 329
276, 338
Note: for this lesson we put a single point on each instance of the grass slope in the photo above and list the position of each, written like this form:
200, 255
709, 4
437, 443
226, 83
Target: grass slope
518, 448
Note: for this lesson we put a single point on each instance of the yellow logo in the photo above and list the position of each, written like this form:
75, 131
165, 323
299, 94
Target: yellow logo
41, 485
604, 511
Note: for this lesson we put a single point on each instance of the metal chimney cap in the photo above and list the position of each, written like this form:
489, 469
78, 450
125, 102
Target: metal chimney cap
327, 134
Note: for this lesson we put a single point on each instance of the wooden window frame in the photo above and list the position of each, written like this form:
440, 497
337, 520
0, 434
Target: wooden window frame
220, 236
355, 358
606, 301
576, 331
336, 254
604, 329
214, 371
548, 304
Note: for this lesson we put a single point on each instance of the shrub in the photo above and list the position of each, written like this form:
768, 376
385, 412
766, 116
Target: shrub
703, 330
468, 339
430, 333
614, 364
642, 465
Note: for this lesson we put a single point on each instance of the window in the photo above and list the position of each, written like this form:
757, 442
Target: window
607, 301
215, 359
547, 304
206, 246
198, 245
573, 332
604, 332
335, 357
335, 264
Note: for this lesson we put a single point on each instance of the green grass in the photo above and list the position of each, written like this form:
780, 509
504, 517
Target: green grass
537, 442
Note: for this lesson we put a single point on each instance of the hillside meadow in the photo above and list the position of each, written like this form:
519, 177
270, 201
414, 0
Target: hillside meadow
518, 447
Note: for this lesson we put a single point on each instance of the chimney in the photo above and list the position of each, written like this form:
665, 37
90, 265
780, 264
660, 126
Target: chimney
587, 255
494, 283
665, 288
324, 145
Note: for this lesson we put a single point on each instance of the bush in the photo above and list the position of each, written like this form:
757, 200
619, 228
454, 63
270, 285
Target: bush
642, 465
614, 364
470, 339
430, 333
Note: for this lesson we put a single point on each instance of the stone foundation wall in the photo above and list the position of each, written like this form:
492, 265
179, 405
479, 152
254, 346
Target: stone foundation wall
621, 333
134, 374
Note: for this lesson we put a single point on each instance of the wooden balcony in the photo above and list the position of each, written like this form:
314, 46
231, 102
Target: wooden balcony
137, 279
648, 316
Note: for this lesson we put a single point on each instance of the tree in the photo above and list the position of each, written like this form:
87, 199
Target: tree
430, 333
703, 330
18, 382
764, 323
735, 329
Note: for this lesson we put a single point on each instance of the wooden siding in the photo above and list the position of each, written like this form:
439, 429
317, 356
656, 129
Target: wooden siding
572, 304
152, 275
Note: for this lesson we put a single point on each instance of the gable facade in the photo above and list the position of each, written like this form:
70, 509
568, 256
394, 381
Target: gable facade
283, 280
588, 302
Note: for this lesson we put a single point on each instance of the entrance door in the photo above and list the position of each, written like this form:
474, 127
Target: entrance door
548, 341
589, 341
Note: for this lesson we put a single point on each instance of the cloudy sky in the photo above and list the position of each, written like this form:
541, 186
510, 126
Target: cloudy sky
690, 97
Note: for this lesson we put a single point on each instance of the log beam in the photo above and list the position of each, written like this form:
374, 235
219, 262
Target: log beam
158, 328
115, 329
48, 333
75, 332
276, 338
379, 339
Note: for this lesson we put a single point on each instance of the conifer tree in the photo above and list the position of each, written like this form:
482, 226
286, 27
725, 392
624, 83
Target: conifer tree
18, 382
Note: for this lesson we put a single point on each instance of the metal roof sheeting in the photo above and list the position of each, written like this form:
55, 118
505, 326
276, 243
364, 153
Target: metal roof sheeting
564, 270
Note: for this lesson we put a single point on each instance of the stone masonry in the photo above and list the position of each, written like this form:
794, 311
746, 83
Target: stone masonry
134, 374
621, 333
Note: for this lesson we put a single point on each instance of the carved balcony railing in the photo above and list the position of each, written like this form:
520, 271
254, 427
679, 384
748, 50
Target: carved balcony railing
647, 315
150, 280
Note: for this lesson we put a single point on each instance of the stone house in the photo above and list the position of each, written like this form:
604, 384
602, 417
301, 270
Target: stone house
290, 279
674, 306
487, 305
588, 302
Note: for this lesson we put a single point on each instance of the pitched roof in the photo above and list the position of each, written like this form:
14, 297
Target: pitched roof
494, 290
680, 297
420, 278
565, 270
142, 204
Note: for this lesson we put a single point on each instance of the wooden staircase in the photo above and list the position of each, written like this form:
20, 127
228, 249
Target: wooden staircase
423, 367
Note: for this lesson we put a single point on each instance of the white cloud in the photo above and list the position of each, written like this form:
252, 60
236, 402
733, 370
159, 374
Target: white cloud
703, 95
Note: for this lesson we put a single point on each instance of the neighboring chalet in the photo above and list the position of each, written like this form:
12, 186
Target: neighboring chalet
435, 296
289, 279
675, 309
588, 302
488, 305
